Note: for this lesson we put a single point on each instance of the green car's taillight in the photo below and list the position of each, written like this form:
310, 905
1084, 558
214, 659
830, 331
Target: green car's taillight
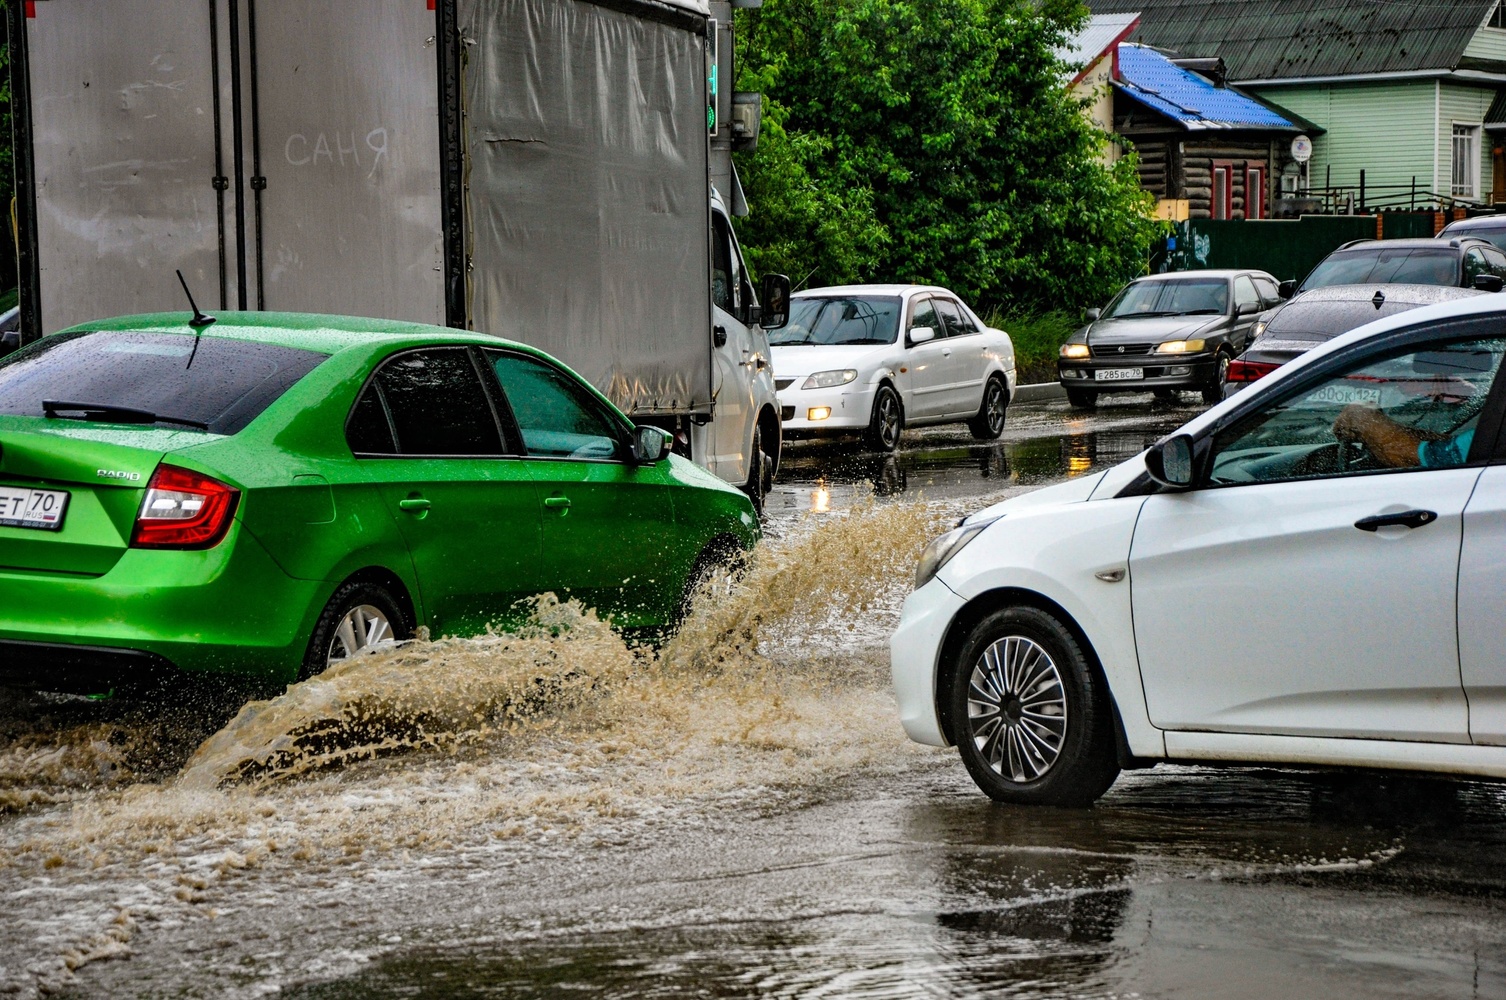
183, 509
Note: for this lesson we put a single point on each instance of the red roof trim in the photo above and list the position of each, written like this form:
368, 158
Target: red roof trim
1112, 49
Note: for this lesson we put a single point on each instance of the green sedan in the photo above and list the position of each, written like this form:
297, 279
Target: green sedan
267, 493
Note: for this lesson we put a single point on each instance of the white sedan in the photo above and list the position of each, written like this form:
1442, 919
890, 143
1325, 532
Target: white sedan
1312, 572
873, 359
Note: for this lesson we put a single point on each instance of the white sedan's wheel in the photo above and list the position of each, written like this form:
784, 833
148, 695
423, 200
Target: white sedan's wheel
1017, 708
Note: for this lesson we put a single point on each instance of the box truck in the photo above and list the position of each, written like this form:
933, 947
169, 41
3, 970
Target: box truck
541, 170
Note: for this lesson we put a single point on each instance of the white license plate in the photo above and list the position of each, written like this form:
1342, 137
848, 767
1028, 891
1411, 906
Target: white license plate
24, 508
1345, 394
1118, 374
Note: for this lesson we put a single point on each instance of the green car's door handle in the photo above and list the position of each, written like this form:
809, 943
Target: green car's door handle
558, 503
413, 505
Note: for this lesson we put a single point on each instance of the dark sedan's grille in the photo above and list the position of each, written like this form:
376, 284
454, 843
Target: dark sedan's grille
781, 384
1121, 350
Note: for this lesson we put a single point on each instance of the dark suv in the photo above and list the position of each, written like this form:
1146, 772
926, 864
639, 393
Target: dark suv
1481, 227
1462, 262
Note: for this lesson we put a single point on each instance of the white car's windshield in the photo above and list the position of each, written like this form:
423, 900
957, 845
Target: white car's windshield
846, 319
1170, 298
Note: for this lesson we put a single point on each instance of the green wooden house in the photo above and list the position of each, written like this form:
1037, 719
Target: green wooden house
1411, 94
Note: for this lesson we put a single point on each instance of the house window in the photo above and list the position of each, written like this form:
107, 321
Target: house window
1255, 192
1497, 16
1223, 191
1466, 160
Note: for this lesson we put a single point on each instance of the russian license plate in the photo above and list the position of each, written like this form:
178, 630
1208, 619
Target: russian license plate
24, 508
1345, 394
1118, 374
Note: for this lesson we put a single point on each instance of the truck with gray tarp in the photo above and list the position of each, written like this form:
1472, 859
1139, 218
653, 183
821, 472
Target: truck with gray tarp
534, 169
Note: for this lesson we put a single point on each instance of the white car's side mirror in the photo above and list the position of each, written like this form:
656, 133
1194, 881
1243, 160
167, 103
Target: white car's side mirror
921, 334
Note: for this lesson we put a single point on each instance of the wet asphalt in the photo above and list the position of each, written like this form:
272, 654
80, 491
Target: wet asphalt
906, 882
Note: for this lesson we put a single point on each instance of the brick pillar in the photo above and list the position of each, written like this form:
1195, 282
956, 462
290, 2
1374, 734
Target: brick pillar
1380, 226
1439, 221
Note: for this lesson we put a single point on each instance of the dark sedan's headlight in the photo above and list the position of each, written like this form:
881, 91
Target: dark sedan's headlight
941, 550
1181, 347
1074, 351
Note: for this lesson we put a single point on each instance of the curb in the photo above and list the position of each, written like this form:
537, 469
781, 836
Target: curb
1041, 392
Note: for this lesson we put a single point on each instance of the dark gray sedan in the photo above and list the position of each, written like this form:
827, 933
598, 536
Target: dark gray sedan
1166, 332
1318, 316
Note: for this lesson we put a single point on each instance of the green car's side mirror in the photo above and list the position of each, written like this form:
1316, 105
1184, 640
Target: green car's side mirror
650, 444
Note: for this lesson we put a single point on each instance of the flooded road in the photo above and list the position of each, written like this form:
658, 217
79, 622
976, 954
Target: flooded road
738, 815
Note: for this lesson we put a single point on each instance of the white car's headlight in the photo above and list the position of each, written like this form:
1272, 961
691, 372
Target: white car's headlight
941, 550
825, 380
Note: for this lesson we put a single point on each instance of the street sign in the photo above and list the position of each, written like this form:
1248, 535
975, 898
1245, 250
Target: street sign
1302, 149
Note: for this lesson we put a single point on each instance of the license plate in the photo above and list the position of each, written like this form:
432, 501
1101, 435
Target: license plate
1345, 394
1118, 374
24, 508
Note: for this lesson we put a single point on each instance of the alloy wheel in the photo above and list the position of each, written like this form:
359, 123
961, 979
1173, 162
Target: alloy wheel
361, 628
994, 408
1017, 709
888, 420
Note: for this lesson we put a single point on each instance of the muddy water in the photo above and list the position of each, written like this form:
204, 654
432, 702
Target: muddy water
556, 814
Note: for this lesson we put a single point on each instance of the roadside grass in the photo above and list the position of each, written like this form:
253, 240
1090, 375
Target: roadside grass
1036, 339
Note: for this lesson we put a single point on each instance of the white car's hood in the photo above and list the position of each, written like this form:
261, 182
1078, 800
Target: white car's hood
800, 360
1072, 491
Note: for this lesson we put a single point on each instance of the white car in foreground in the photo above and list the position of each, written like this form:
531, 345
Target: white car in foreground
1312, 572
842, 365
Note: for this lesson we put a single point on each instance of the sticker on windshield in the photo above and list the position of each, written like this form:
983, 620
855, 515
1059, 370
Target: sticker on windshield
1343, 395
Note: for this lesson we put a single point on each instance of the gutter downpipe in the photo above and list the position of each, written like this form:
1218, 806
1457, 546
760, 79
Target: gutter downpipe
1437, 113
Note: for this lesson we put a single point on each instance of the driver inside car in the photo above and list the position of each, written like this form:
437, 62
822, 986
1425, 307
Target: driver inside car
1398, 446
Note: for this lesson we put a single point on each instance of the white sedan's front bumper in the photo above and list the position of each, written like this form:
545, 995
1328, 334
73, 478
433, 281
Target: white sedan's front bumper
851, 409
914, 654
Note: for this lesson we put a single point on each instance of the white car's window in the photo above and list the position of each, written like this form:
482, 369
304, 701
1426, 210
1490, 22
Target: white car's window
1407, 410
957, 322
924, 314
840, 320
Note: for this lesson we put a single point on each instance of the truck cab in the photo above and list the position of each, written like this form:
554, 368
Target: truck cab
741, 442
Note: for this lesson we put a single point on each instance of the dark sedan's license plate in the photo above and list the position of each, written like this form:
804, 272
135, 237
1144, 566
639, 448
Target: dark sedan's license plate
27, 508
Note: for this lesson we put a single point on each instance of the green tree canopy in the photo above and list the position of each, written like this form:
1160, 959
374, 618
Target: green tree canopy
933, 141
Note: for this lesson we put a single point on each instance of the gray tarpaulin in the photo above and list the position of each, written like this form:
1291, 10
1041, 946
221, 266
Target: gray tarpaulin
587, 194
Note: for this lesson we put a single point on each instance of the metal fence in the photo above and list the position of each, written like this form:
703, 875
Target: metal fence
1287, 248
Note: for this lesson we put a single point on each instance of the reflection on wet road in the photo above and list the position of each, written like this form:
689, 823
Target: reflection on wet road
1042, 443
739, 816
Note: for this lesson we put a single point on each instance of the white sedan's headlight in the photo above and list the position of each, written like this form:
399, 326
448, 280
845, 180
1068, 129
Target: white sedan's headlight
941, 550
825, 380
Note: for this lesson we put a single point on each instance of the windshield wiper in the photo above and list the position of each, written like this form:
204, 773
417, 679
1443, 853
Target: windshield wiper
109, 411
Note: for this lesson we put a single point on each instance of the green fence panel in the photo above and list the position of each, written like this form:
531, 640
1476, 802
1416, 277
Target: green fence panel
1287, 248
1407, 225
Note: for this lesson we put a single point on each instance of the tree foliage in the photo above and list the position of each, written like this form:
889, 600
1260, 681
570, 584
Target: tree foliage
933, 141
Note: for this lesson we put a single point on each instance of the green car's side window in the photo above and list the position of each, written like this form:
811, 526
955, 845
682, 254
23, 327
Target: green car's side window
557, 417
428, 402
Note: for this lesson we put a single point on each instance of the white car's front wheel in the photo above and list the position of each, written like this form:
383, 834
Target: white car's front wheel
1029, 715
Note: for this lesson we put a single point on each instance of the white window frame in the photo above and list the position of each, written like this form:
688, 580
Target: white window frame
1497, 16
1469, 131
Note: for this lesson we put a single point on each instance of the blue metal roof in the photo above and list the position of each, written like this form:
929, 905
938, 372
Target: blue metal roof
1155, 81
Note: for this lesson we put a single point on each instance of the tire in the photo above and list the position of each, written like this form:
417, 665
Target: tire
723, 555
360, 604
760, 473
888, 421
1214, 392
1026, 757
989, 422
1082, 399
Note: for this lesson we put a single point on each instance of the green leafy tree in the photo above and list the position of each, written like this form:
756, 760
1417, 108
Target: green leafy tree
934, 141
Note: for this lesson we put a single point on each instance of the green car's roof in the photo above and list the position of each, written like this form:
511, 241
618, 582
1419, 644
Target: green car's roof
311, 331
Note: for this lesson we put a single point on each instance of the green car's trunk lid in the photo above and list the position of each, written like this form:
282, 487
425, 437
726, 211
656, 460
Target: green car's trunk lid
103, 469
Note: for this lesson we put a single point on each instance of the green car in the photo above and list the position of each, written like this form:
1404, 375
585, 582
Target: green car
273, 492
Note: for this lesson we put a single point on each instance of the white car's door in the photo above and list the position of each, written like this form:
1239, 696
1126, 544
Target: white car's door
1308, 588
929, 363
1482, 608
966, 362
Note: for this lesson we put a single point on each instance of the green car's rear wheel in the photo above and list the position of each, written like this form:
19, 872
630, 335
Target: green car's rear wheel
358, 618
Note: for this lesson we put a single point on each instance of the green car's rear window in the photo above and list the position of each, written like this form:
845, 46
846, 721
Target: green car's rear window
221, 383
